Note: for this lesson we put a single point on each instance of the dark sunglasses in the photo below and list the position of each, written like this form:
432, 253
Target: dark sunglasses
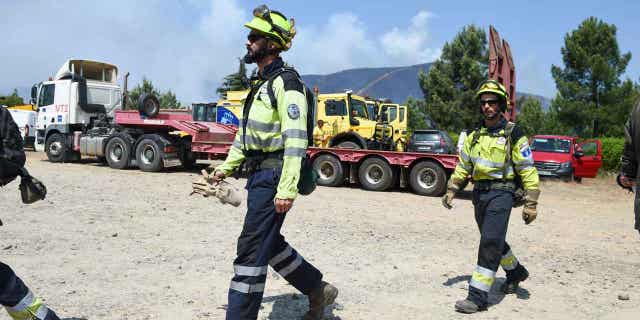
253, 37
492, 103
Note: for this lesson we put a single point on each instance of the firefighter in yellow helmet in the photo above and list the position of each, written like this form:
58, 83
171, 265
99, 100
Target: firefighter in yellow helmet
270, 145
498, 159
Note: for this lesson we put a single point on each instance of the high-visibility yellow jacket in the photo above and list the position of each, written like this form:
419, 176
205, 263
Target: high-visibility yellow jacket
485, 160
269, 129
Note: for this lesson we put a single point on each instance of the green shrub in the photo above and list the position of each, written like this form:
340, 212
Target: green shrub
611, 152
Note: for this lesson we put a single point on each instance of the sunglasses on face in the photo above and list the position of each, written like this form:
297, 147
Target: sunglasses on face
253, 37
492, 103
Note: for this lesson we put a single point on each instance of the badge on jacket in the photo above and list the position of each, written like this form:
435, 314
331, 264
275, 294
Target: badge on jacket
294, 111
525, 150
501, 141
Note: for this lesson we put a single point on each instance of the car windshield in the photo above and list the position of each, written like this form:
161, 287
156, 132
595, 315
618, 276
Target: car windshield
551, 145
426, 136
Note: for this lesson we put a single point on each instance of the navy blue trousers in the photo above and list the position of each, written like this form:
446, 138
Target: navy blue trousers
260, 245
492, 211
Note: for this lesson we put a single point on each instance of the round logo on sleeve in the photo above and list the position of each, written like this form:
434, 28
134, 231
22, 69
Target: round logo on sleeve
294, 111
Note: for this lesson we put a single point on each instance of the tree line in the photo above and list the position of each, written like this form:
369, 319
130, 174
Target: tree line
592, 100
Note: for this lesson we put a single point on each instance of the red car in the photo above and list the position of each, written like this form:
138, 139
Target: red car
563, 157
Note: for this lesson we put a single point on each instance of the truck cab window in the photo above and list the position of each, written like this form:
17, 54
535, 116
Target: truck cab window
47, 93
335, 108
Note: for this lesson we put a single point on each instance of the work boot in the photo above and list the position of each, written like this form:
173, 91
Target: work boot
513, 280
319, 298
468, 306
37, 310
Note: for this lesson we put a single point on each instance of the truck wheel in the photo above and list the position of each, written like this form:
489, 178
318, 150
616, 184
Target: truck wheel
118, 152
148, 156
375, 174
330, 171
188, 160
348, 145
56, 148
428, 179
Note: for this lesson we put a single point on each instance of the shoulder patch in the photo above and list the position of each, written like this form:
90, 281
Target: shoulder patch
293, 111
525, 150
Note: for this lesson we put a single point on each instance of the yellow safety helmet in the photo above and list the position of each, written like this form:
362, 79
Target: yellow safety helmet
493, 86
274, 25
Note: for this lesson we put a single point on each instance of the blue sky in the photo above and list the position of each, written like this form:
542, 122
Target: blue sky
190, 45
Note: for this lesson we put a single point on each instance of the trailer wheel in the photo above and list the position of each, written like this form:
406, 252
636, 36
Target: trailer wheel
428, 179
148, 156
375, 174
56, 148
118, 152
330, 171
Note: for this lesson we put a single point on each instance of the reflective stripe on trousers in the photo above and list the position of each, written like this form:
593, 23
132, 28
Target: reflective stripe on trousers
260, 244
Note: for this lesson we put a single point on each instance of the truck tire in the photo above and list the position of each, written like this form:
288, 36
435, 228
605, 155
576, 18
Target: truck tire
329, 169
118, 152
148, 105
375, 174
428, 179
56, 148
348, 145
149, 155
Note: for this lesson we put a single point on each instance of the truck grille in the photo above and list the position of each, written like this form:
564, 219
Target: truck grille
547, 166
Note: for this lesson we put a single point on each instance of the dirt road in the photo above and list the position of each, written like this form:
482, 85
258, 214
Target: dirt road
110, 244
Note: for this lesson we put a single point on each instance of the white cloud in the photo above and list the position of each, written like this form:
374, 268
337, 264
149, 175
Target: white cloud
187, 46
410, 45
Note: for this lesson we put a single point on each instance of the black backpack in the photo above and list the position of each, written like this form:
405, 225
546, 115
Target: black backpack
12, 156
308, 176
311, 101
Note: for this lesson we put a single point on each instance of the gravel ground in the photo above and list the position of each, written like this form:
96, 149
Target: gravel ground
110, 244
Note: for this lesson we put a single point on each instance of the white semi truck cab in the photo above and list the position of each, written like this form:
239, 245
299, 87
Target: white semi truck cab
81, 94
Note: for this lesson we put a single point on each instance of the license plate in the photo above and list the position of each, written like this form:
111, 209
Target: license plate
544, 173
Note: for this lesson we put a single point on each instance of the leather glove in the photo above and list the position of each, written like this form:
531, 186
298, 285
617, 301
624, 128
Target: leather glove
220, 189
530, 212
452, 188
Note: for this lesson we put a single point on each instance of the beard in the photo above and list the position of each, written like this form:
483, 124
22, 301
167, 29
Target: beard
256, 56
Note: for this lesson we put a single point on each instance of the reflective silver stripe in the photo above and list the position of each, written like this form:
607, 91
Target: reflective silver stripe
42, 312
498, 174
295, 133
286, 253
246, 288
23, 304
486, 272
249, 271
295, 152
487, 163
237, 144
523, 167
509, 261
465, 157
465, 167
480, 278
271, 142
261, 126
525, 161
291, 267
479, 285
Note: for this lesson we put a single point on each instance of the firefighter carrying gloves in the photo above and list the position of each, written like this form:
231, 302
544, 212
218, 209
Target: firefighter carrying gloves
270, 146
498, 158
